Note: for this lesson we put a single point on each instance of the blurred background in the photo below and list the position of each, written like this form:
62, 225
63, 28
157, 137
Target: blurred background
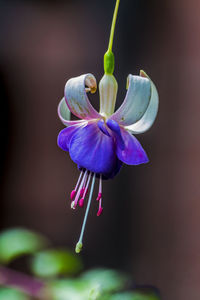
151, 221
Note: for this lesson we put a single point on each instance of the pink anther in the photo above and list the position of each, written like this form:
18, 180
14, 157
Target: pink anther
99, 196
82, 191
72, 195
99, 211
81, 202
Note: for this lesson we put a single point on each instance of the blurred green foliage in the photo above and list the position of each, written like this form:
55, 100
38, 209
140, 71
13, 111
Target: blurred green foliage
17, 242
51, 263
132, 296
105, 280
12, 294
67, 289
54, 269
91, 285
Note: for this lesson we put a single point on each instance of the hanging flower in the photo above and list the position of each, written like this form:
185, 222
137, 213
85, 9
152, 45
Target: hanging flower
100, 142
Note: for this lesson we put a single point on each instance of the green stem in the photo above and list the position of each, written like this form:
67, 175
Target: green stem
112, 31
109, 59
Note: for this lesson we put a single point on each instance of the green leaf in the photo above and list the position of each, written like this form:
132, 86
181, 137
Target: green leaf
68, 289
12, 294
105, 280
17, 242
132, 296
92, 285
51, 263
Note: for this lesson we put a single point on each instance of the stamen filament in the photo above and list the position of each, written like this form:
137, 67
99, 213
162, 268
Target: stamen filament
81, 201
100, 184
78, 180
86, 188
99, 197
100, 188
83, 186
73, 193
80, 242
100, 208
74, 203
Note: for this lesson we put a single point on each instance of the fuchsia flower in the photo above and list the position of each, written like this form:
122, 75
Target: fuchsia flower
100, 142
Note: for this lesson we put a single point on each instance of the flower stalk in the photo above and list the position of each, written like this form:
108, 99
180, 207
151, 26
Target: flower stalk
109, 59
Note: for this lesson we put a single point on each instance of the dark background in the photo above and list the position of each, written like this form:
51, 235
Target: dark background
151, 221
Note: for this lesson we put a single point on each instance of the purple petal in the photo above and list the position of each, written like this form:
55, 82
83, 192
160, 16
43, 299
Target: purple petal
133, 153
114, 126
102, 127
65, 135
93, 150
116, 169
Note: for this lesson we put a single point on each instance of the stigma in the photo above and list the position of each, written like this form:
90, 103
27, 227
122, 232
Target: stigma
85, 183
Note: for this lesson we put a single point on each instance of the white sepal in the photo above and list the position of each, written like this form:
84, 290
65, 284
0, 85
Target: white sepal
76, 96
150, 115
136, 101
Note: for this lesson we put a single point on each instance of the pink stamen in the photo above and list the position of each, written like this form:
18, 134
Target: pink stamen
87, 184
79, 190
99, 196
99, 211
82, 191
86, 190
100, 188
83, 188
81, 202
73, 193
77, 184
